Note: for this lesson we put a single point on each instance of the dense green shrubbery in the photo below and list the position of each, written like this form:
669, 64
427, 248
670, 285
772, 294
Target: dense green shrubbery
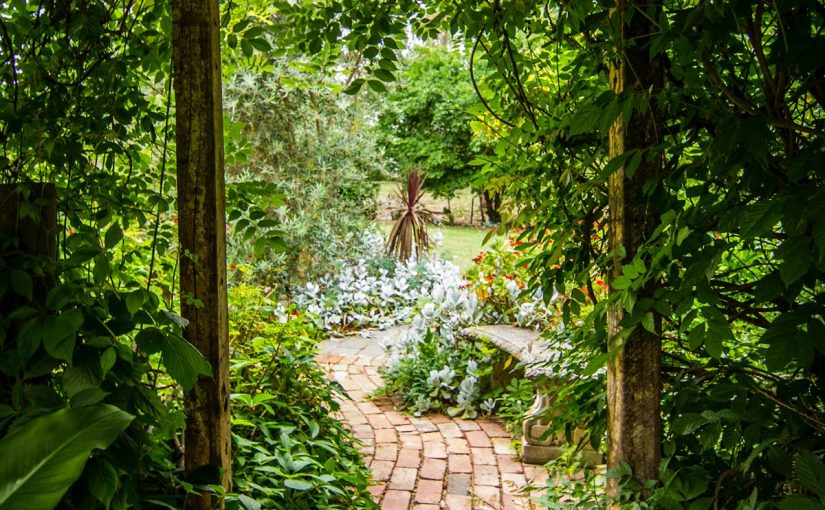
92, 332
289, 452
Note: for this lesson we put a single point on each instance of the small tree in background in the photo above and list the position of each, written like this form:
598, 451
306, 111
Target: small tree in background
425, 119
409, 233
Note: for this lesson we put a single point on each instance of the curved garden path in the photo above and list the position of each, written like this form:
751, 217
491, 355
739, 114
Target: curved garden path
428, 463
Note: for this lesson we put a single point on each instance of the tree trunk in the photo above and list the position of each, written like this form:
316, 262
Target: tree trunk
202, 234
634, 383
492, 203
36, 245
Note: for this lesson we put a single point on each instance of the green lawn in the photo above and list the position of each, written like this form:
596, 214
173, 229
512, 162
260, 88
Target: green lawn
460, 244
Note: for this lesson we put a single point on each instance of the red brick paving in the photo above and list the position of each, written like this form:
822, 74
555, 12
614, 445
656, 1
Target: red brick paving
431, 462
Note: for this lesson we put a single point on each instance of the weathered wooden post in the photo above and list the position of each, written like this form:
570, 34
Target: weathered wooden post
202, 234
634, 381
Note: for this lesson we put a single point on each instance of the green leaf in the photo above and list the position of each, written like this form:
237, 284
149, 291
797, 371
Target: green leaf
21, 283
713, 344
103, 481
811, 472
246, 47
384, 75
298, 485
248, 503
29, 338
107, 360
585, 119
41, 460
799, 503
688, 423
376, 86
648, 323
89, 397
696, 337
797, 259
134, 301
354, 87
682, 235
79, 377
621, 283
260, 246
759, 219
183, 362
150, 340
101, 269
113, 236
260, 44
59, 334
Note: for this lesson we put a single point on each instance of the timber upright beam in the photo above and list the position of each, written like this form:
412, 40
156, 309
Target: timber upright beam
202, 234
634, 383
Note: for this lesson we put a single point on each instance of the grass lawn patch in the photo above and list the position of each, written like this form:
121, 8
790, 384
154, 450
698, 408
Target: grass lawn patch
459, 245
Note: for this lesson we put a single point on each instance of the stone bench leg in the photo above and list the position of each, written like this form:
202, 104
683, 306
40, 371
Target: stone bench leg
539, 447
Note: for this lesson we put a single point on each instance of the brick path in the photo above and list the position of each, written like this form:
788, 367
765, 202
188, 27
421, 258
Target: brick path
428, 463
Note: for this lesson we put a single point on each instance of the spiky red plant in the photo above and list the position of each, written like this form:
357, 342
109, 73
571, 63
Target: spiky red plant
409, 234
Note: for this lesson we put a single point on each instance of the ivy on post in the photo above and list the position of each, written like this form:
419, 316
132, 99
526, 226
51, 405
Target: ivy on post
202, 234
634, 382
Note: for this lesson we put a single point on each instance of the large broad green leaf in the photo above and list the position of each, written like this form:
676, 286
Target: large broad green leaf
41, 460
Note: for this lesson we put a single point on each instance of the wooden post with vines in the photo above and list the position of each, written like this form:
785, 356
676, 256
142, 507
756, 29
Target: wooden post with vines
202, 234
634, 382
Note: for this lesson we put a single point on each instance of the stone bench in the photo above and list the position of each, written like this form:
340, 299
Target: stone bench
537, 357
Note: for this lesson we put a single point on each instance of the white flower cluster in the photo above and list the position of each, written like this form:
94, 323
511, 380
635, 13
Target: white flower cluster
374, 291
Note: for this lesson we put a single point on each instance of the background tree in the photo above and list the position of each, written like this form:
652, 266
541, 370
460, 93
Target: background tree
425, 121
425, 118
315, 147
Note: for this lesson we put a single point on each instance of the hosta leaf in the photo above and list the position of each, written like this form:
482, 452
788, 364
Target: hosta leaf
41, 460
298, 485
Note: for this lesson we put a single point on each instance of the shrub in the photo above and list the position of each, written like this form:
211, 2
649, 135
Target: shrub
431, 368
370, 289
289, 452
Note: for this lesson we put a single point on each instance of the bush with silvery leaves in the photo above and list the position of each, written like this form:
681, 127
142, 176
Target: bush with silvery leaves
428, 366
373, 291
419, 359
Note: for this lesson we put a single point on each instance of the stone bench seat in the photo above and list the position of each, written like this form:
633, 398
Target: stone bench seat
539, 360
525, 345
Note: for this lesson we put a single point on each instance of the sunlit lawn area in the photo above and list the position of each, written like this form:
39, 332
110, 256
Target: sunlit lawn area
459, 244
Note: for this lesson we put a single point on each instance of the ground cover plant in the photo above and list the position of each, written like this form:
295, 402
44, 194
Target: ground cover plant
281, 419
370, 290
